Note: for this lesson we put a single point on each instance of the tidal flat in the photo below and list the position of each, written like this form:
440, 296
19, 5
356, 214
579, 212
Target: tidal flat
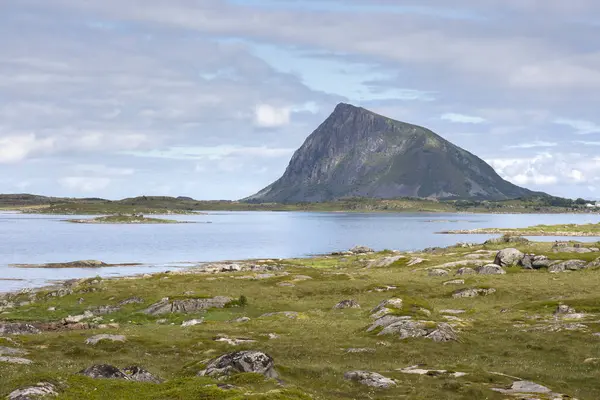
506, 319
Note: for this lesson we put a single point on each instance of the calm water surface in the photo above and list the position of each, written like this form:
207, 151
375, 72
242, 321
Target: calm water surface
36, 239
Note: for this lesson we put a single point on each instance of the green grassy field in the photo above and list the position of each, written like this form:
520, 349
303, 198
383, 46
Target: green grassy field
540, 230
503, 333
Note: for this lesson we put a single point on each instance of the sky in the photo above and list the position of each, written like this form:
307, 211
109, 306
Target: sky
210, 98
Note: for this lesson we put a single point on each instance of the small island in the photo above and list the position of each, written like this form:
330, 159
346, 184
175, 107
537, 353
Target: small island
585, 230
125, 219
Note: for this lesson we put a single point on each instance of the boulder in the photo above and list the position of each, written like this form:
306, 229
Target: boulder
437, 272
508, 257
564, 309
491, 269
361, 250
103, 371
465, 271
441, 332
524, 387
386, 320
138, 374
371, 379
240, 361
346, 304
527, 261
15, 360
473, 292
541, 262
165, 306
569, 265
41, 390
17, 329
507, 239
594, 264
98, 338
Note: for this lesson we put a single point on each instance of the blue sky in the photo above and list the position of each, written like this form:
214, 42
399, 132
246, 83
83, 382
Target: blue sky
209, 98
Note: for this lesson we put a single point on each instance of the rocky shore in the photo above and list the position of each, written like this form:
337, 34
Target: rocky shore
467, 321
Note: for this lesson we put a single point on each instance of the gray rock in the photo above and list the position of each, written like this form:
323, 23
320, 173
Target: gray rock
440, 332
165, 306
138, 374
465, 271
98, 338
41, 390
579, 250
360, 350
508, 257
564, 309
10, 351
473, 292
240, 361
15, 360
455, 282
103, 310
594, 264
361, 250
241, 319
507, 239
103, 371
18, 329
384, 262
386, 307
569, 265
520, 387
371, 379
346, 304
540, 262
192, 322
527, 261
437, 272
387, 320
131, 300
491, 269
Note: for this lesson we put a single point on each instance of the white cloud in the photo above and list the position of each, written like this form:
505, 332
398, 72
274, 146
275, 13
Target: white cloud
581, 127
531, 145
17, 148
214, 152
99, 169
84, 184
268, 116
462, 118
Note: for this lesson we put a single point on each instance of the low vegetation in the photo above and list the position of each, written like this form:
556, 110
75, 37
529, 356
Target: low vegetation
124, 219
509, 335
539, 230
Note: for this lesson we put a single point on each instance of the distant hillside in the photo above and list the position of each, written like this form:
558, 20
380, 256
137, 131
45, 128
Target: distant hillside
357, 153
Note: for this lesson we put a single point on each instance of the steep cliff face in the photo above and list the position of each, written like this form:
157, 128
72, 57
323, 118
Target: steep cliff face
357, 153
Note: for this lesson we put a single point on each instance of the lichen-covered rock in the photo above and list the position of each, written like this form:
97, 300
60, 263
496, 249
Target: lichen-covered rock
386, 307
103, 371
361, 250
455, 282
569, 265
17, 329
15, 360
386, 320
138, 374
594, 264
192, 322
241, 361
165, 306
491, 269
572, 249
346, 304
11, 351
131, 300
473, 292
508, 257
41, 390
371, 379
541, 262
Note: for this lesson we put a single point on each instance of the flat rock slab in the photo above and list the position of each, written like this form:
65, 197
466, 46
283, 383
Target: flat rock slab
371, 379
15, 360
41, 390
417, 370
11, 351
104, 337
18, 329
473, 292
346, 304
165, 306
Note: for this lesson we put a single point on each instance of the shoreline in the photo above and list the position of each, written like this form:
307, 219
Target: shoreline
516, 232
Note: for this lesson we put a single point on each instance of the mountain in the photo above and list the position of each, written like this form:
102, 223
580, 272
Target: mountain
358, 153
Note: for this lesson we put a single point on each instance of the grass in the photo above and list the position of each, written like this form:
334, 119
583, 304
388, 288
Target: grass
124, 219
540, 230
309, 353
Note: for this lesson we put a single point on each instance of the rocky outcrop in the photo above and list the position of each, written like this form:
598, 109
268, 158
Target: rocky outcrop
508, 257
346, 304
473, 292
466, 271
138, 374
384, 262
371, 379
569, 265
166, 306
39, 391
133, 373
17, 329
404, 329
437, 272
490, 269
241, 361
